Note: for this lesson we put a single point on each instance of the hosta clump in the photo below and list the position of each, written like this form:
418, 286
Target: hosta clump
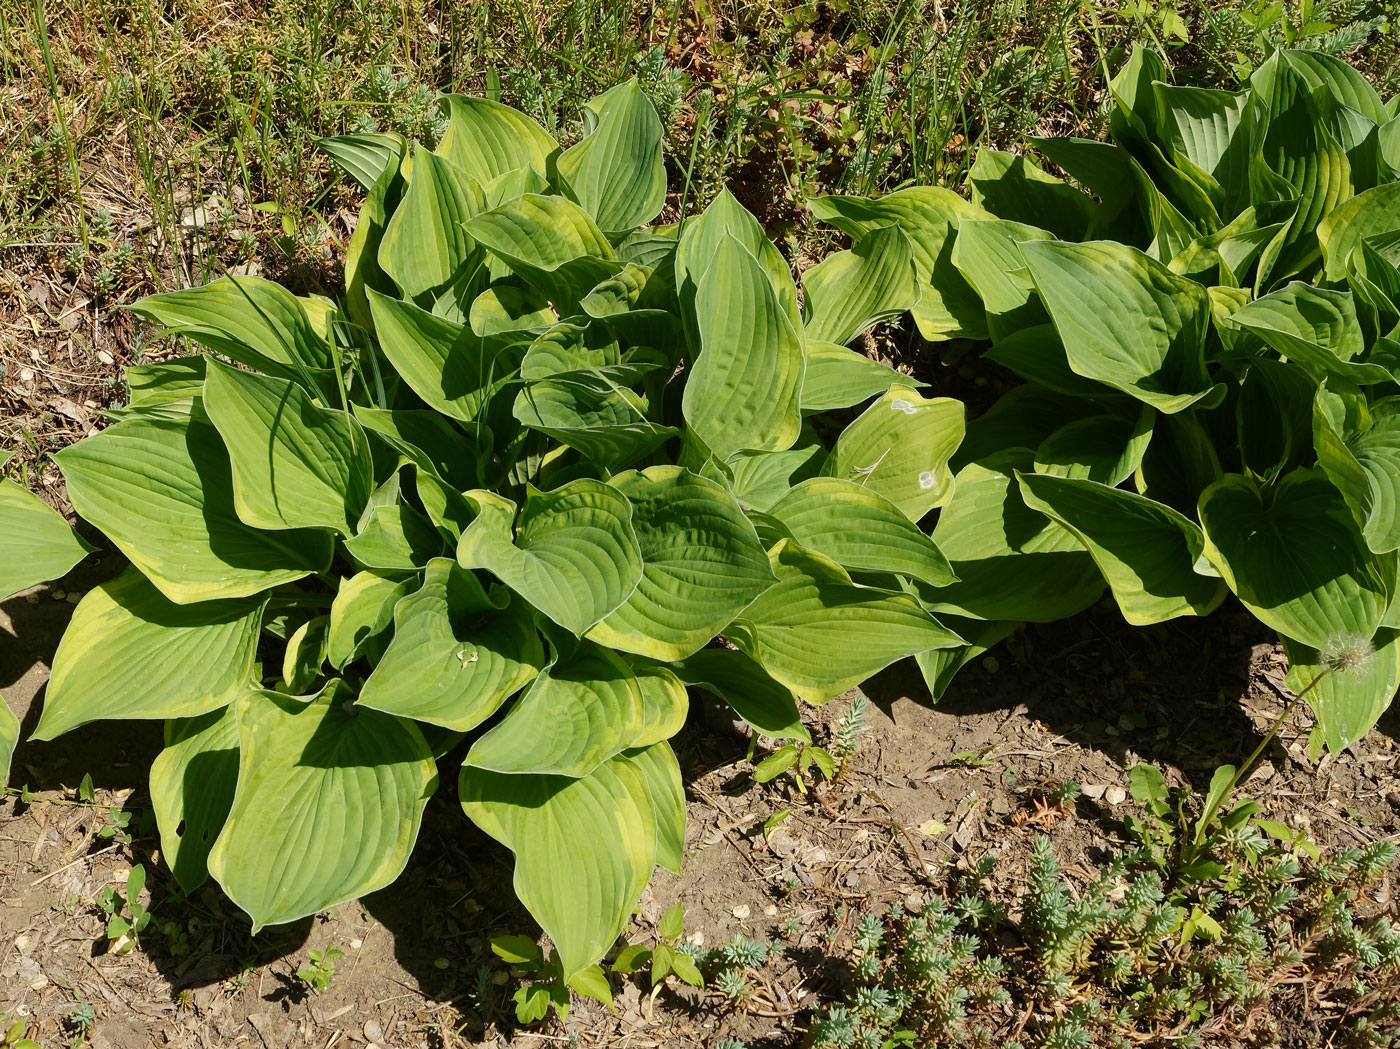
1210, 351
513, 486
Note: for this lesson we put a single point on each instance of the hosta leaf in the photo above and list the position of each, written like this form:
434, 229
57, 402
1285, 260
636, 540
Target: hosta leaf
1294, 556
606, 423
366, 157
295, 465
665, 703
837, 377
362, 270
130, 652
987, 254
424, 247
574, 555
764, 704
1347, 701
616, 172
36, 544
362, 608
702, 237
192, 785
1012, 186
1342, 82
429, 441
1022, 417
1145, 550
1313, 326
819, 634
456, 655
1104, 448
663, 775
701, 565
488, 140
860, 530
899, 447
251, 320
551, 243
759, 479
578, 713
162, 491
929, 217
584, 848
395, 538
9, 738
305, 655
745, 389
328, 803
1274, 416
509, 307
1366, 215
1204, 137
1037, 354
939, 665
1363, 461
1180, 462
1012, 562
450, 367
849, 291
1125, 319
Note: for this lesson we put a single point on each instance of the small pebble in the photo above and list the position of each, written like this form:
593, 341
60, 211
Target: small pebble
1092, 790
38, 983
771, 910
355, 945
696, 939
373, 1031
1115, 795
742, 911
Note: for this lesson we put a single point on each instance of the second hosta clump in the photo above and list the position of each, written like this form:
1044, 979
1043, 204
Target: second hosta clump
514, 485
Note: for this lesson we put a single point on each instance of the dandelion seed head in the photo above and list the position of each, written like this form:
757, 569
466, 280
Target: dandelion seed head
1345, 651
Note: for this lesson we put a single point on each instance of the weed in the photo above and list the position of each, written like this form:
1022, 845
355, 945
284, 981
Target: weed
320, 970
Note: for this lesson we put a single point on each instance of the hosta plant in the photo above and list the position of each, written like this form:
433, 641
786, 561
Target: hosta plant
1210, 353
540, 470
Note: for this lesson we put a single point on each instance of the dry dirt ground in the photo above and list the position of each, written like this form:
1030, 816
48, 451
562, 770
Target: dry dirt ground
930, 790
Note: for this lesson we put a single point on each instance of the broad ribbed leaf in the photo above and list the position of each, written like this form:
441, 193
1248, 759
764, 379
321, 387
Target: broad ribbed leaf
860, 530
837, 377
579, 712
488, 140
605, 422
616, 172
987, 254
1037, 354
192, 785
1145, 550
819, 634
456, 655
328, 803
764, 704
663, 775
36, 544
363, 607
509, 307
364, 158
929, 216
551, 243
1347, 701
130, 652
9, 738
701, 238
1366, 215
574, 554
1360, 451
295, 464
162, 491
251, 320
665, 703
450, 367
1274, 418
305, 655
1294, 556
940, 665
1104, 448
1012, 562
899, 447
1012, 186
1313, 326
395, 538
1206, 140
584, 848
849, 291
745, 389
1125, 319
701, 564
424, 247
428, 440
174, 380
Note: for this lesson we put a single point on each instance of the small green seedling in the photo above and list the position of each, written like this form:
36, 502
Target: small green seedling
665, 959
318, 974
126, 919
14, 1035
548, 985
804, 758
